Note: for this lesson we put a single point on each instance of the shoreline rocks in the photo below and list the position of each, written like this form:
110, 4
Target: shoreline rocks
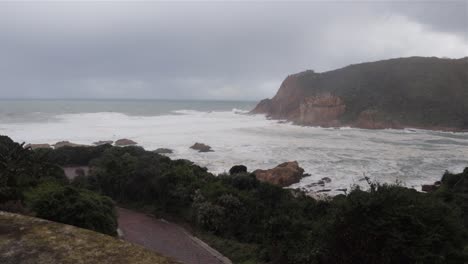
123, 142
103, 142
66, 143
38, 146
282, 175
201, 147
163, 151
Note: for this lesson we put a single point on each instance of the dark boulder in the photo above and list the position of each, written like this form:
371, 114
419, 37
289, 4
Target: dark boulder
201, 147
163, 151
125, 142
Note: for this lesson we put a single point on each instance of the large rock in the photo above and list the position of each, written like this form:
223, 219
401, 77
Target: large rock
163, 151
393, 93
201, 147
61, 144
283, 175
103, 142
125, 142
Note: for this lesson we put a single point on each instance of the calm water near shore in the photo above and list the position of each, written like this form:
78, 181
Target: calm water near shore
345, 155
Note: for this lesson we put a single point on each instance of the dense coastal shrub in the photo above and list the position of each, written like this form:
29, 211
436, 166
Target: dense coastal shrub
392, 224
73, 156
21, 168
241, 215
389, 224
31, 182
69, 205
454, 189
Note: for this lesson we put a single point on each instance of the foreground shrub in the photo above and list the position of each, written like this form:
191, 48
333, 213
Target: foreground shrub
392, 224
70, 205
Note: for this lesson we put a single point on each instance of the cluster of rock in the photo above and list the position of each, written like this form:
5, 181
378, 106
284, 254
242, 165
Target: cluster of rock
62, 144
121, 143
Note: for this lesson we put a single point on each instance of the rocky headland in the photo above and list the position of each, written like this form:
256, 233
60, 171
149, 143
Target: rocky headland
417, 92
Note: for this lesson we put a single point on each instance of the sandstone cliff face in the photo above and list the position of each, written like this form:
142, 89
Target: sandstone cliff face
285, 104
418, 92
322, 110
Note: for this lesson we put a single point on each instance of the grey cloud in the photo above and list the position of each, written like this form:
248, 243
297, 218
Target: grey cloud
211, 50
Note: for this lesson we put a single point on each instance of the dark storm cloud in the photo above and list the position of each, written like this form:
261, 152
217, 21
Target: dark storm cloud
212, 50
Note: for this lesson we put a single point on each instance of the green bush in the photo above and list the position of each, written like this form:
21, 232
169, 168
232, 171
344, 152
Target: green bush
69, 205
392, 224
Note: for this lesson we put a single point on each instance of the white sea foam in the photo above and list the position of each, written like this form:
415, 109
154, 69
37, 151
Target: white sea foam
345, 155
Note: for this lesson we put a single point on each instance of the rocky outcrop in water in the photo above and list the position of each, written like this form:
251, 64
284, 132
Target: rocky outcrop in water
103, 142
61, 144
38, 146
163, 151
201, 147
282, 175
414, 92
125, 142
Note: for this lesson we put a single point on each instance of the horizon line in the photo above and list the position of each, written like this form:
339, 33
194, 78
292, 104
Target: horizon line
122, 99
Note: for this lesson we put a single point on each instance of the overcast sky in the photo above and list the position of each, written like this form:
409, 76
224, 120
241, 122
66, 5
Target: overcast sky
208, 50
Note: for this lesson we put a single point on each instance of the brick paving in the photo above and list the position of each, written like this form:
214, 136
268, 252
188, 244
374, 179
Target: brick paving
166, 238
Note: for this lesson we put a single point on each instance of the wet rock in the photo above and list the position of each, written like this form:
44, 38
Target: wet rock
201, 147
326, 179
283, 175
38, 146
163, 151
125, 142
315, 184
103, 142
66, 144
238, 169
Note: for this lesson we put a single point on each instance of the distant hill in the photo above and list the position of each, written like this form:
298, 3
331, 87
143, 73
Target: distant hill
418, 92
26, 239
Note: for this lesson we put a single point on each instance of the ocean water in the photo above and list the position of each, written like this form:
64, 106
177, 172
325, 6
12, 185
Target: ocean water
411, 157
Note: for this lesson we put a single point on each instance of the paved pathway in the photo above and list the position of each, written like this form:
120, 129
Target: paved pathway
166, 238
